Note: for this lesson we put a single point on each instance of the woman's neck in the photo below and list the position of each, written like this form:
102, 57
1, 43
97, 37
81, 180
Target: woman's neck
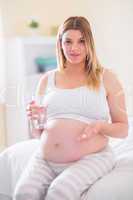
75, 68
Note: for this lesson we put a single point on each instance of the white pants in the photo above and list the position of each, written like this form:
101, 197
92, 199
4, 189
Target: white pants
44, 180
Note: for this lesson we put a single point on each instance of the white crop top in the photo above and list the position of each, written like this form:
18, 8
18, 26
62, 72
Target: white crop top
79, 103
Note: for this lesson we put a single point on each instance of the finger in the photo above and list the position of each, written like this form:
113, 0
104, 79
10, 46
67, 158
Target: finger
31, 107
28, 109
41, 108
32, 118
32, 102
87, 129
32, 112
95, 131
83, 136
29, 114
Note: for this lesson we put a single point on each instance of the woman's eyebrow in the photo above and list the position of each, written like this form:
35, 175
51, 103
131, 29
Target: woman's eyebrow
68, 38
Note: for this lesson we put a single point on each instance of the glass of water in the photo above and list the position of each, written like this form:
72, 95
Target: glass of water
40, 121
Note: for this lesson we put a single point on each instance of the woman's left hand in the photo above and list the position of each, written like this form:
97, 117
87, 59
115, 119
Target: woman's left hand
90, 131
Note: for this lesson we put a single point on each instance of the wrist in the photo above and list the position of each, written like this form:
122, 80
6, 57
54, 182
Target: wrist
104, 127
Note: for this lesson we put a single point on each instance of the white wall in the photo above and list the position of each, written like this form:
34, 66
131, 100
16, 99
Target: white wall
112, 23
2, 60
48, 12
2, 88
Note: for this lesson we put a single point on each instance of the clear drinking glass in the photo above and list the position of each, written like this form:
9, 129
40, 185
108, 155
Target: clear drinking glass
40, 122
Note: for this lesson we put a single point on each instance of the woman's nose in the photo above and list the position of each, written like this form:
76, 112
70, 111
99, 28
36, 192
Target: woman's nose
75, 47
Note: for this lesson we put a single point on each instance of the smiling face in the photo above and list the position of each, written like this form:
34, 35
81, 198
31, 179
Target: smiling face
73, 46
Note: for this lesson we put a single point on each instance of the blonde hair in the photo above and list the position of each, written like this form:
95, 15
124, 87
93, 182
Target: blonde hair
92, 66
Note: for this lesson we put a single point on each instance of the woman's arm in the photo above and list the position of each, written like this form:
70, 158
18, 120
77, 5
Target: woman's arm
115, 129
118, 127
116, 101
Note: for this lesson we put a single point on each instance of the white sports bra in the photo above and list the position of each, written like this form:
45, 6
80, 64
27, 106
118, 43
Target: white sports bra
79, 103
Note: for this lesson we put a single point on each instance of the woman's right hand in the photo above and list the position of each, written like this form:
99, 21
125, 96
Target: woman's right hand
33, 110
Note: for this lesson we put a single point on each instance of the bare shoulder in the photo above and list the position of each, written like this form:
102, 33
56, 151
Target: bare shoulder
111, 81
43, 82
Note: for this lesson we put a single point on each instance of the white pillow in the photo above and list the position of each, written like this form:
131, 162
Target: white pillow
12, 162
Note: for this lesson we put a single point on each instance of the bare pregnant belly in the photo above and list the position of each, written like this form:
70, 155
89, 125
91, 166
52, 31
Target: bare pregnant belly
59, 142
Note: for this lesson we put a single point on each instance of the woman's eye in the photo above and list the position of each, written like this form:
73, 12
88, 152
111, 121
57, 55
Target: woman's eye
67, 41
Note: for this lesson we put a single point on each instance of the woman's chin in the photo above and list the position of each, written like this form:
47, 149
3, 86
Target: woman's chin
74, 61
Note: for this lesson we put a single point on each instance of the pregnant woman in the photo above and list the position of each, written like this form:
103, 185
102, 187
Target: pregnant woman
85, 105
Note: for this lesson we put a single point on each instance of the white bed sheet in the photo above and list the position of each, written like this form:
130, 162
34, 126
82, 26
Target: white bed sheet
117, 185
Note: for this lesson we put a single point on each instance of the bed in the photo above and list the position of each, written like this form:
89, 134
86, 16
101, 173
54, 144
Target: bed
117, 185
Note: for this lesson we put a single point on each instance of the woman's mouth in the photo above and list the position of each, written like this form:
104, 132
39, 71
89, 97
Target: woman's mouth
74, 54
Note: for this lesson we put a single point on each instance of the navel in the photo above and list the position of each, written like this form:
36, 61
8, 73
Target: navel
57, 145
